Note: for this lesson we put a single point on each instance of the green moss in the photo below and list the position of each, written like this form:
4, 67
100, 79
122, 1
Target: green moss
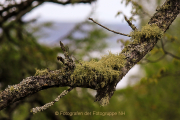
54, 75
99, 72
106, 70
148, 31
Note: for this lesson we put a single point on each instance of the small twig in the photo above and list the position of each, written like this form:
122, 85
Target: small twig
172, 55
47, 105
77, 60
68, 61
109, 29
153, 61
165, 53
64, 50
130, 23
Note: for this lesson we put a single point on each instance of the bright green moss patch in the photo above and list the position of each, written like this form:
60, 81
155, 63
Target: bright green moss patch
148, 31
104, 71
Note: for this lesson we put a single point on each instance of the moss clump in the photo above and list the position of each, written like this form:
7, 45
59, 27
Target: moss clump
41, 72
101, 72
148, 31
57, 74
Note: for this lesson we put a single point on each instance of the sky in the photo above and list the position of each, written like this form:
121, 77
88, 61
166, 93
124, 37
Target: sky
105, 11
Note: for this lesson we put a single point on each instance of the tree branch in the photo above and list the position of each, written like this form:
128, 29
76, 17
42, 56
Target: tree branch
103, 75
168, 53
17, 10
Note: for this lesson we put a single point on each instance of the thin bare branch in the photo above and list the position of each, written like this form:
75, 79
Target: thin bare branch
77, 60
168, 53
109, 29
153, 61
17, 10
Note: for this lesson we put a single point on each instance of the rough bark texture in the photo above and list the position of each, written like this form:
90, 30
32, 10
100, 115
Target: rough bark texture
133, 53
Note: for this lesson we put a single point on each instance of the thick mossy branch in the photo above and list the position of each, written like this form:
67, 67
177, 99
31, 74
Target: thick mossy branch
100, 74
104, 74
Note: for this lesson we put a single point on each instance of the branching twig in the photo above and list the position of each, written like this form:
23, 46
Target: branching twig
77, 60
17, 10
165, 53
109, 29
153, 61
47, 105
168, 53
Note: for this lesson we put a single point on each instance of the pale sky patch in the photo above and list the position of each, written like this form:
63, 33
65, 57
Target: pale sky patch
106, 11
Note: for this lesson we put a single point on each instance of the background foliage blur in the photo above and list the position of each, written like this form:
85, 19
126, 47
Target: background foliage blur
156, 96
